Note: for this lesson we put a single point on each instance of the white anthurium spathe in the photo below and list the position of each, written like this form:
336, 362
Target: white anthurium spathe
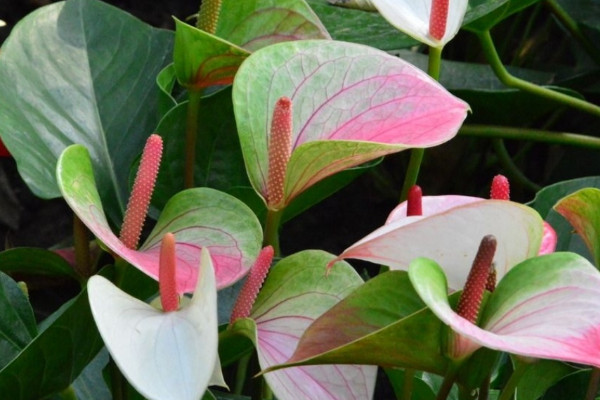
164, 355
413, 18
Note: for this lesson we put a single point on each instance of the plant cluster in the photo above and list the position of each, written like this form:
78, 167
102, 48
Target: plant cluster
182, 154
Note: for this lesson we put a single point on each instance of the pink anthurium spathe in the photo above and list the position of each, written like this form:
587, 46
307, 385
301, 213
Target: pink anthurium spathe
449, 233
535, 311
163, 354
198, 218
433, 22
345, 104
294, 294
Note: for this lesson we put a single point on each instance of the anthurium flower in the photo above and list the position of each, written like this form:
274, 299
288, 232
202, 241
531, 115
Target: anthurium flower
292, 297
449, 232
433, 22
164, 355
345, 104
198, 218
544, 307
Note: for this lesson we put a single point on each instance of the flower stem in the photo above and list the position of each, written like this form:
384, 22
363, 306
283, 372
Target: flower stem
271, 232
191, 135
448, 382
81, 242
520, 369
416, 155
487, 44
536, 135
240, 375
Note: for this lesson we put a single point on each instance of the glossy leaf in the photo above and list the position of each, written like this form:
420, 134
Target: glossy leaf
219, 161
36, 261
535, 310
164, 355
383, 322
82, 72
452, 238
55, 357
254, 24
485, 14
357, 26
17, 325
412, 17
351, 104
582, 210
198, 217
295, 293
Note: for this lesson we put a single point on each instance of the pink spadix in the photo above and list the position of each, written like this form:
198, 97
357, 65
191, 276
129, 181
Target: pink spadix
166, 274
143, 186
280, 150
500, 189
438, 18
256, 277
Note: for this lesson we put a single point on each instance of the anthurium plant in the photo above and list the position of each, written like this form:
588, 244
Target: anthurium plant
226, 176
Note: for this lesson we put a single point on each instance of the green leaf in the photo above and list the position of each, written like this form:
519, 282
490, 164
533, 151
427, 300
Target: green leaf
358, 26
82, 72
253, 24
420, 389
483, 15
202, 60
36, 261
219, 161
383, 322
540, 376
56, 356
546, 198
582, 210
17, 325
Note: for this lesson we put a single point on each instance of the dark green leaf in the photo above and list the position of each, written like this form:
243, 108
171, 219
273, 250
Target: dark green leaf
83, 72
31, 260
483, 15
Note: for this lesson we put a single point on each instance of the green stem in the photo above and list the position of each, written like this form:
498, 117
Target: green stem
240, 375
593, 384
407, 387
571, 25
448, 382
536, 135
271, 232
68, 394
191, 136
512, 170
520, 369
509, 80
416, 155
81, 242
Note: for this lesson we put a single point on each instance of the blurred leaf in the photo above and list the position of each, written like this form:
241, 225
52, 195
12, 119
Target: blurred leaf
485, 14
369, 28
10, 209
90, 383
420, 389
36, 261
83, 72
573, 386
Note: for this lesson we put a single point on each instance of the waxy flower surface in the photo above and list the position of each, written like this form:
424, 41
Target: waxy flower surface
164, 355
198, 218
349, 104
433, 22
545, 307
